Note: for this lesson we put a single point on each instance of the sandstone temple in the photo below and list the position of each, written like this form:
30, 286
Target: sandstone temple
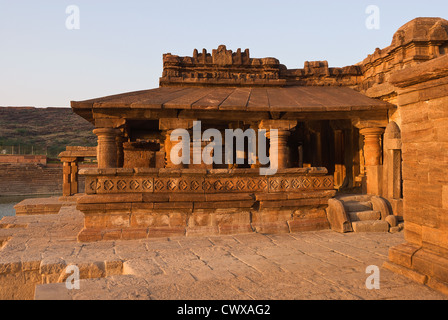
360, 148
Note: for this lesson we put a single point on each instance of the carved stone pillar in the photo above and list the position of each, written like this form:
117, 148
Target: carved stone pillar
372, 158
255, 126
168, 146
278, 142
167, 126
120, 151
107, 147
69, 176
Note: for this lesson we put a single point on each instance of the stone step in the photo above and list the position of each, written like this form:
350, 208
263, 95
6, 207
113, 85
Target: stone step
354, 206
354, 197
364, 215
370, 226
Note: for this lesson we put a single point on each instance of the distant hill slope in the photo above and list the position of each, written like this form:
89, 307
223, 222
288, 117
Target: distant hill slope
43, 130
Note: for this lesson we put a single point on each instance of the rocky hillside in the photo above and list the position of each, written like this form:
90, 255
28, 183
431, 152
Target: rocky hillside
42, 130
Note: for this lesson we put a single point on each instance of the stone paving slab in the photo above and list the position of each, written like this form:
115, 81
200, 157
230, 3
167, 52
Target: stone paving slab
308, 265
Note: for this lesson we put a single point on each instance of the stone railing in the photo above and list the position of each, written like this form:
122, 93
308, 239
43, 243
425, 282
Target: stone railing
104, 181
141, 203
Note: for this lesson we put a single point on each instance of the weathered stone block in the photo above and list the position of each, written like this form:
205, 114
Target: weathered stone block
225, 229
271, 227
370, 226
90, 235
134, 233
166, 232
113, 234
413, 233
392, 220
202, 231
364, 215
312, 224
402, 254
337, 216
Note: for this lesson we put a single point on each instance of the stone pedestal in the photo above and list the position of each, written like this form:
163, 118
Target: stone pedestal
372, 158
107, 147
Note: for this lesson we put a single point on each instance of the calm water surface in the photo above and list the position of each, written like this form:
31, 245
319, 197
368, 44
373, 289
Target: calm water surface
7, 204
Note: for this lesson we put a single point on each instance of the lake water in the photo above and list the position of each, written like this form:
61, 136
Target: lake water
7, 204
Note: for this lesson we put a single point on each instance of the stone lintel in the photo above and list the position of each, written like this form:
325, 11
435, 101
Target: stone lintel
167, 124
365, 124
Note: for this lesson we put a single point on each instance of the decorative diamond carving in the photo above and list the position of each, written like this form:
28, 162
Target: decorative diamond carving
306, 183
147, 184
316, 183
108, 185
229, 185
171, 185
218, 185
183, 185
262, 184
121, 185
328, 183
93, 185
240, 185
273, 184
251, 184
194, 185
296, 184
284, 184
159, 185
206, 186
134, 185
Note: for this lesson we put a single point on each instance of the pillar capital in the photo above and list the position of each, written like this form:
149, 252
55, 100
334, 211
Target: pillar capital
278, 124
374, 131
105, 132
170, 124
69, 159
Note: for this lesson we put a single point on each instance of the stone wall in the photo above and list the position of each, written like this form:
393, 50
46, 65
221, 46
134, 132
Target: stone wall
7, 158
423, 100
32, 179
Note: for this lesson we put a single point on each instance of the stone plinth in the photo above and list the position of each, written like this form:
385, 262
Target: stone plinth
141, 203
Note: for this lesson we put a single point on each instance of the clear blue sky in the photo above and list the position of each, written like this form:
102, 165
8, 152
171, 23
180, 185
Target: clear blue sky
120, 44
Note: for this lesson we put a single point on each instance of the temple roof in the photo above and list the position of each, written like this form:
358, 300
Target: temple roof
421, 29
275, 99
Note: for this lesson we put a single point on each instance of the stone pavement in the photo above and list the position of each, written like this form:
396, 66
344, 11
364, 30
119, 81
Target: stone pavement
309, 265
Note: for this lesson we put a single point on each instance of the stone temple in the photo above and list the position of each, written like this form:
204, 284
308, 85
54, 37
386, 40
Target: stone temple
360, 148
